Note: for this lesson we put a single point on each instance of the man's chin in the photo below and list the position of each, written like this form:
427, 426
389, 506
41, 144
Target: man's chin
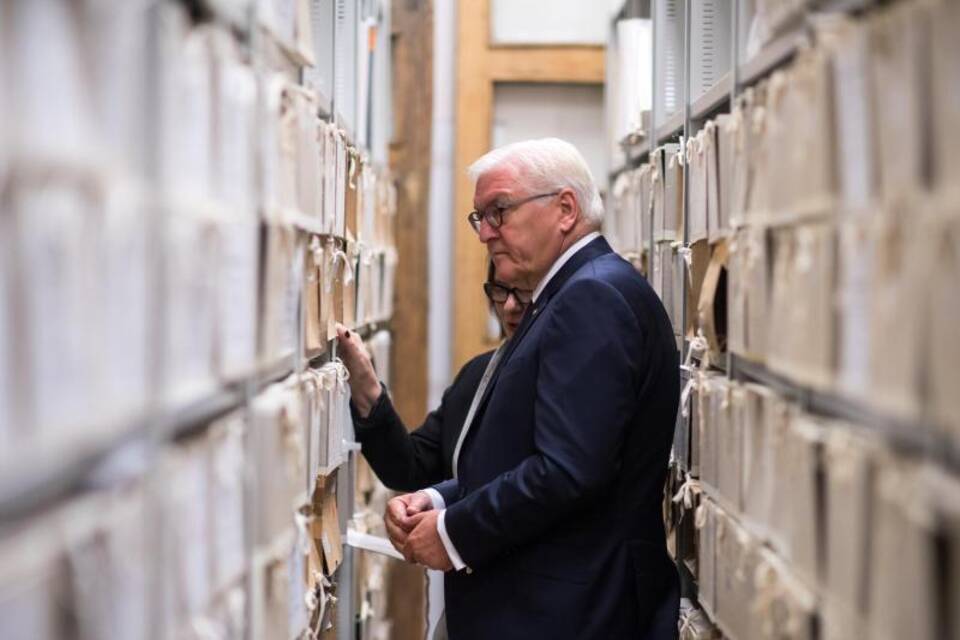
505, 267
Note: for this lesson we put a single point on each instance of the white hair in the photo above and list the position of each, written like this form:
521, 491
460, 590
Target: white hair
547, 164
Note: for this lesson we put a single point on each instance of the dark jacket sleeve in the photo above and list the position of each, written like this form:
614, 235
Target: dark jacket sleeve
407, 461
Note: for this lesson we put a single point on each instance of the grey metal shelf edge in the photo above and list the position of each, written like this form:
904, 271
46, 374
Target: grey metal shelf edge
911, 437
672, 128
713, 99
30, 487
773, 55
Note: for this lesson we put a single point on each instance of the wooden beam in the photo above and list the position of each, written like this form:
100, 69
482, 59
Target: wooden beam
410, 163
479, 66
412, 24
474, 115
581, 65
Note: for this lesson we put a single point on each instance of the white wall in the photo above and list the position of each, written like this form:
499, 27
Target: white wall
572, 112
553, 22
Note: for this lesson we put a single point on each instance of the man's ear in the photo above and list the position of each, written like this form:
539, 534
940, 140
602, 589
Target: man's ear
569, 210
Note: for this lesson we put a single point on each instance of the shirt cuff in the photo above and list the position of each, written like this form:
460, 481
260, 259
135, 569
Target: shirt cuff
455, 558
435, 498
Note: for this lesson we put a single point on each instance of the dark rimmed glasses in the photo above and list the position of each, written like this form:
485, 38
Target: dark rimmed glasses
493, 214
499, 293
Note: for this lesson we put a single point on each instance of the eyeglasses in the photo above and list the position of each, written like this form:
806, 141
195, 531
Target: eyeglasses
499, 293
493, 214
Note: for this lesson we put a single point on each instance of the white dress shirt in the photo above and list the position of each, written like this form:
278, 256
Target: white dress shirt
562, 260
435, 497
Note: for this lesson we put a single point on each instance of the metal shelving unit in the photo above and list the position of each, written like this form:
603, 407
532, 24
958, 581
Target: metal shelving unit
699, 105
47, 479
775, 54
715, 99
673, 127
910, 437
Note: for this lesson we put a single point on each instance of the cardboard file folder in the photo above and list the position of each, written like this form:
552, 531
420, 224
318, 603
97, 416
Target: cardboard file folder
943, 338
856, 118
315, 330
696, 162
849, 467
899, 55
711, 307
945, 98
896, 309
903, 585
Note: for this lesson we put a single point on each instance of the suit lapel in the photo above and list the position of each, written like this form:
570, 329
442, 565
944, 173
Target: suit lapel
594, 249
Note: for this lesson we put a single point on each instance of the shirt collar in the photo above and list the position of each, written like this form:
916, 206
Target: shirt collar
562, 260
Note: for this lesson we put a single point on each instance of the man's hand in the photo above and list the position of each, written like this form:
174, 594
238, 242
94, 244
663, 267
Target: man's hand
424, 545
399, 517
364, 385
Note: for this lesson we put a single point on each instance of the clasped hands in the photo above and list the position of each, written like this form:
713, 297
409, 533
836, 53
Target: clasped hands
411, 523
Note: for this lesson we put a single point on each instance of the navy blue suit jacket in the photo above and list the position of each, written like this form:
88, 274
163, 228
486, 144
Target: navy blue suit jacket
557, 504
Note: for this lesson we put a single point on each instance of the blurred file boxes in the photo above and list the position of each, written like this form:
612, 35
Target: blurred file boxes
176, 212
726, 154
79, 571
857, 159
39, 127
106, 547
943, 17
277, 420
235, 127
668, 194
800, 336
31, 589
849, 472
940, 327
59, 271
697, 209
282, 287
735, 567
190, 305
227, 458
708, 517
7, 362
899, 38
238, 253
187, 533
126, 277
896, 299
821, 251
902, 585
784, 606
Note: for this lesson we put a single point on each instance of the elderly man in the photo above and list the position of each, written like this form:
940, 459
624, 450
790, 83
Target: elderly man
552, 527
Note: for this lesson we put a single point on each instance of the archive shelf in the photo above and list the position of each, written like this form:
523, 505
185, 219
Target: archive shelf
773, 55
913, 439
670, 129
714, 99
60, 464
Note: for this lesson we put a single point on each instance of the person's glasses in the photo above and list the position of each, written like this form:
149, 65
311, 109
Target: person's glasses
493, 214
499, 293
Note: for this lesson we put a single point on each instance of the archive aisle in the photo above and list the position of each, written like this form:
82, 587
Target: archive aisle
789, 187
192, 194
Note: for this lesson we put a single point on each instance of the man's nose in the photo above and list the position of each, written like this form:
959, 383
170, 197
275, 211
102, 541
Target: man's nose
512, 305
487, 232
